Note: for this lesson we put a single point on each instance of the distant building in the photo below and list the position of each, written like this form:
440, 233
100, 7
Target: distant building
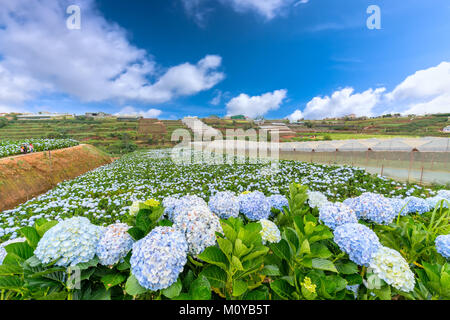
446, 129
45, 116
129, 118
98, 115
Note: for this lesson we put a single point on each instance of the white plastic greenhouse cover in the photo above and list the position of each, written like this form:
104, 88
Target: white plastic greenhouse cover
397, 144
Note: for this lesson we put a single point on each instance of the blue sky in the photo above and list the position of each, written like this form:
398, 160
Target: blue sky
172, 58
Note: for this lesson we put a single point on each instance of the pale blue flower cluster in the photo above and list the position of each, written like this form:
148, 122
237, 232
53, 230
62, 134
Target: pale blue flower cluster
199, 226
390, 266
317, 199
336, 214
372, 207
278, 201
416, 205
3, 252
185, 203
443, 245
224, 204
269, 231
441, 195
169, 204
254, 205
114, 244
69, 243
159, 258
358, 241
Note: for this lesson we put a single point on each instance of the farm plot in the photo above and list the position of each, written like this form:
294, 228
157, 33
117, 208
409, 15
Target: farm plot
144, 227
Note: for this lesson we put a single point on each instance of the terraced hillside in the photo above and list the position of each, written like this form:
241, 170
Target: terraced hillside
110, 135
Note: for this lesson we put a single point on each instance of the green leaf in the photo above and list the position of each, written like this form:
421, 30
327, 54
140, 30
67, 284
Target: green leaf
323, 264
143, 220
43, 228
174, 290
91, 263
225, 245
100, 294
240, 249
21, 249
54, 296
229, 232
31, 235
10, 283
237, 263
111, 280
239, 288
9, 270
215, 256
200, 289
281, 249
305, 248
33, 261
383, 293
136, 233
132, 286
282, 289
319, 250
347, 268
216, 276
257, 252
271, 270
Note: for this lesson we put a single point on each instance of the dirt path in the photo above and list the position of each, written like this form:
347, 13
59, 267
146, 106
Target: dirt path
23, 177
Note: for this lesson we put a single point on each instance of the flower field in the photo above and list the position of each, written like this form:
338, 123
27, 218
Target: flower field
12, 147
146, 228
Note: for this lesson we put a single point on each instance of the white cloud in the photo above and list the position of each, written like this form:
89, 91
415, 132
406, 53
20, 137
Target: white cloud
343, 102
295, 116
131, 111
269, 9
95, 63
256, 105
425, 92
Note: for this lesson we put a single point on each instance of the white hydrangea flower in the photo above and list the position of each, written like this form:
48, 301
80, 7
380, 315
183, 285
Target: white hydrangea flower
317, 199
134, 209
390, 266
269, 232
199, 225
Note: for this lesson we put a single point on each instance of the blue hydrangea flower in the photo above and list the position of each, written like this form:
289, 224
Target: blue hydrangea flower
114, 244
390, 266
254, 205
399, 204
416, 205
169, 204
224, 204
3, 252
185, 203
199, 226
444, 194
335, 214
159, 258
358, 241
278, 201
69, 243
443, 245
436, 200
373, 207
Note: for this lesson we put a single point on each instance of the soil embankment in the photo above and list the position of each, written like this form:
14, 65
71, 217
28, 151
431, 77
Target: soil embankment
26, 176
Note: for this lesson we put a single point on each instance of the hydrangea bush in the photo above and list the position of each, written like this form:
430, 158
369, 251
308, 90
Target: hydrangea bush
114, 244
69, 243
255, 206
159, 258
358, 241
